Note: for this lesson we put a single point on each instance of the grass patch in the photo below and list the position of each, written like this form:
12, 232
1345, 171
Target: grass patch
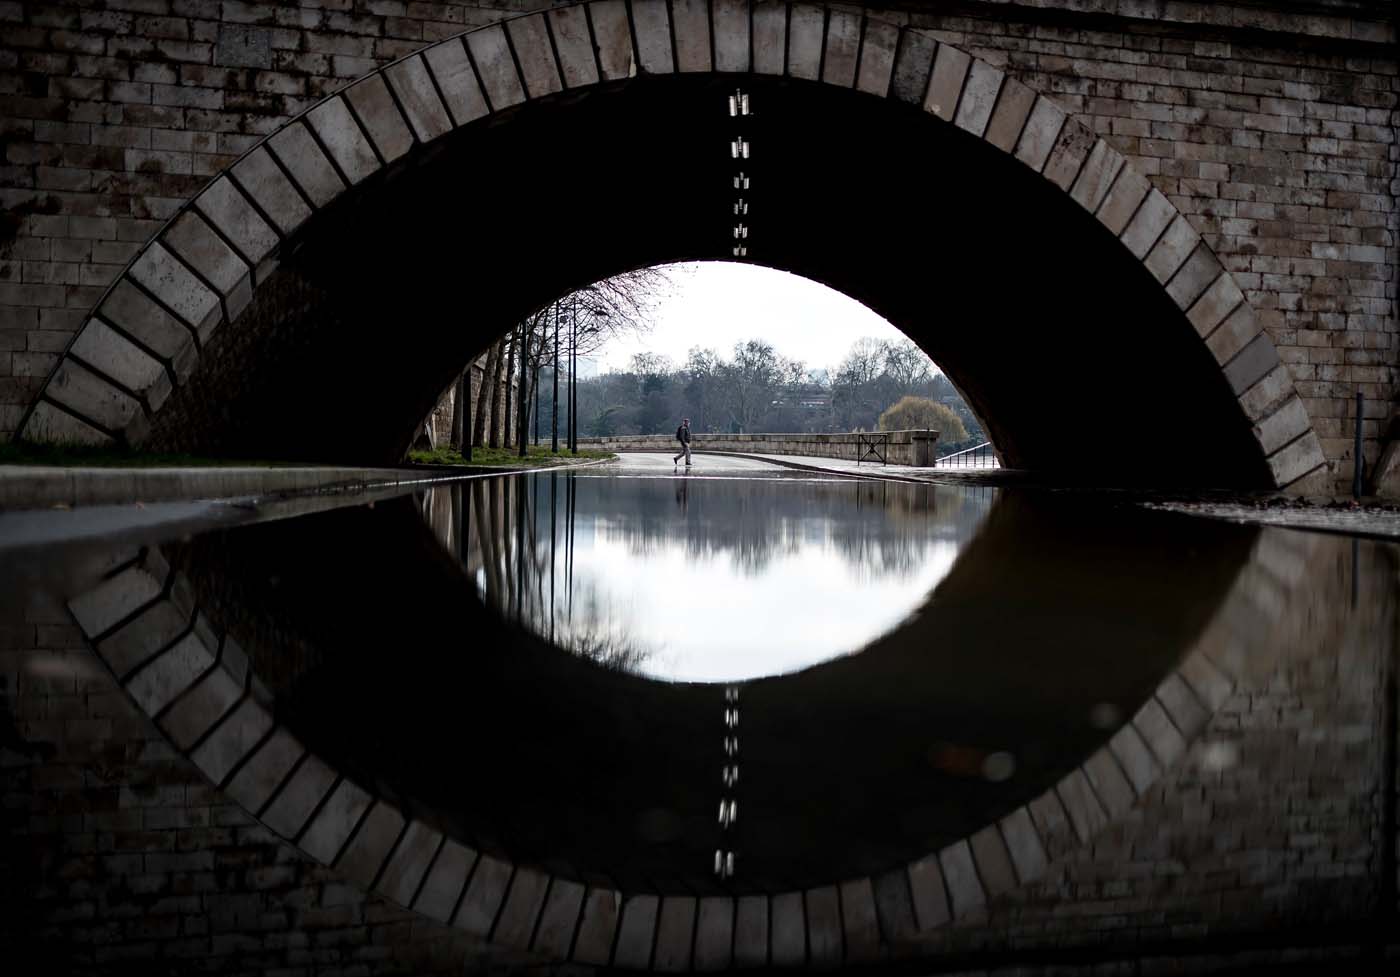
109, 456
538, 456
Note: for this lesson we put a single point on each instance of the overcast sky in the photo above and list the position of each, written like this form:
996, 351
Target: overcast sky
716, 304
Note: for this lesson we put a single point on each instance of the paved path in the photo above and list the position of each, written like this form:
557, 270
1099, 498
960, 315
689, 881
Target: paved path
703, 463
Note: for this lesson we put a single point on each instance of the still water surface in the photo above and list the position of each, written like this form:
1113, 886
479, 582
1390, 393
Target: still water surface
578, 670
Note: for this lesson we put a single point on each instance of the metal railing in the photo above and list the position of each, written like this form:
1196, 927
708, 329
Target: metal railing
978, 456
874, 445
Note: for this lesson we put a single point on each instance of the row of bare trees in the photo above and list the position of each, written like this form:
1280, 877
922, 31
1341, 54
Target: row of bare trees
556, 335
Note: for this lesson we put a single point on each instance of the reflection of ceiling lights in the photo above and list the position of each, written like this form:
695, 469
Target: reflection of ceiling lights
728, 806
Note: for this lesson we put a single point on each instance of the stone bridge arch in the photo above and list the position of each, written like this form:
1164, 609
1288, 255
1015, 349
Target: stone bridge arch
168, 318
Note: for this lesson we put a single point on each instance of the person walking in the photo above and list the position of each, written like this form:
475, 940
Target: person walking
683, 436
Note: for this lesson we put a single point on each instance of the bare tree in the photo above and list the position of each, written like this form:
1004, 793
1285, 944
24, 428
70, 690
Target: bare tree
485, 395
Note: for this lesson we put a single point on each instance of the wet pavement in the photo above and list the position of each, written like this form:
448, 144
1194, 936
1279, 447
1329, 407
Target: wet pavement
742, 681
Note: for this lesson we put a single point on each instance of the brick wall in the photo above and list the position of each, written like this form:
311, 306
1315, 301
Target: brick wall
1271, 126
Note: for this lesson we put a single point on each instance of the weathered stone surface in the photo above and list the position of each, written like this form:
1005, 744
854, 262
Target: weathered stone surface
522, 908
345, 143
596, 927
559, 918
651, 22
496, 67
1151, 219
636, 932
929, 895
769, 37
1192, 279
993, 861
263, 180
1211, 685
535, 56
960, 874
691, 19
331, 827
308, 165
1251, 364
421, 105
894, 906
751, 931
225, 207
1023, 845
446, 879
1040, 133
575, 46
1233, 335
1259, 399
877, 55
1110, 786
175, 287
714, 934
155, 685
979, 97
950, 67
199, 709
132, 311
1085, 813
1279, 428
455, 78
824, 940
93, 399
195, 242
260, 776
409, 863
1135, 758
375, 109
232, 740
1159, 733
117, 598
1172, 249
674, 932
1221, 298
99, 346
731, 23
293, 805
368, 850
1128, 193
859, 920
842, 48
485, 893
1297, 459
613, 37
1091, 186
913, 65
1071, 150
805, 30
788, 930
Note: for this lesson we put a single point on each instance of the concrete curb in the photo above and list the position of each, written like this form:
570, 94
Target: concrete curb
44, 487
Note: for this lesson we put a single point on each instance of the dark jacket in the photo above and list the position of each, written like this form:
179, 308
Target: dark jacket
683, 434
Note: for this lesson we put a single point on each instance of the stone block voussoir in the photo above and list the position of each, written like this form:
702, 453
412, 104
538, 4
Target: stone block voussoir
572, 40
945, 84
692, 30
413, 85
979, 97
636, 932
877, 54
380, 117
806, 27
530, 38
345, 143
491, 51
843, 29
652, 22
177, 288
769, 37
456, 79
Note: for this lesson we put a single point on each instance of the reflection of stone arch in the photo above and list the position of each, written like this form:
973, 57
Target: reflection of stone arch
202, 270
198, 688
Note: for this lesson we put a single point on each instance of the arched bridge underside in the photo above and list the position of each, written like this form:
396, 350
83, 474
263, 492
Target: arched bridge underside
364, 252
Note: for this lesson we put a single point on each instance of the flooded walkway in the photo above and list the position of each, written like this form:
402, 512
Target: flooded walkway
633, 718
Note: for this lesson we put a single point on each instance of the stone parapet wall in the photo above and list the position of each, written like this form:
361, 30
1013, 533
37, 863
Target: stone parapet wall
902, 448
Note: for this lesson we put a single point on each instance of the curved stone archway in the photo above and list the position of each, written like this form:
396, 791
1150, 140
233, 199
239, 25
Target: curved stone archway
151, 331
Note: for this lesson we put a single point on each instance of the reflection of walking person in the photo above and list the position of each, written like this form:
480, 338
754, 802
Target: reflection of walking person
683, 436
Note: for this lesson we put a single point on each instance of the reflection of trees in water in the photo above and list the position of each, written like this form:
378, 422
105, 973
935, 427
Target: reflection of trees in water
521, 562
880, 529
517, 537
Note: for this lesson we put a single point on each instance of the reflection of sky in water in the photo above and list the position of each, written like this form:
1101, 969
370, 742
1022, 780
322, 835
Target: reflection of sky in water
708, 623
709, 580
